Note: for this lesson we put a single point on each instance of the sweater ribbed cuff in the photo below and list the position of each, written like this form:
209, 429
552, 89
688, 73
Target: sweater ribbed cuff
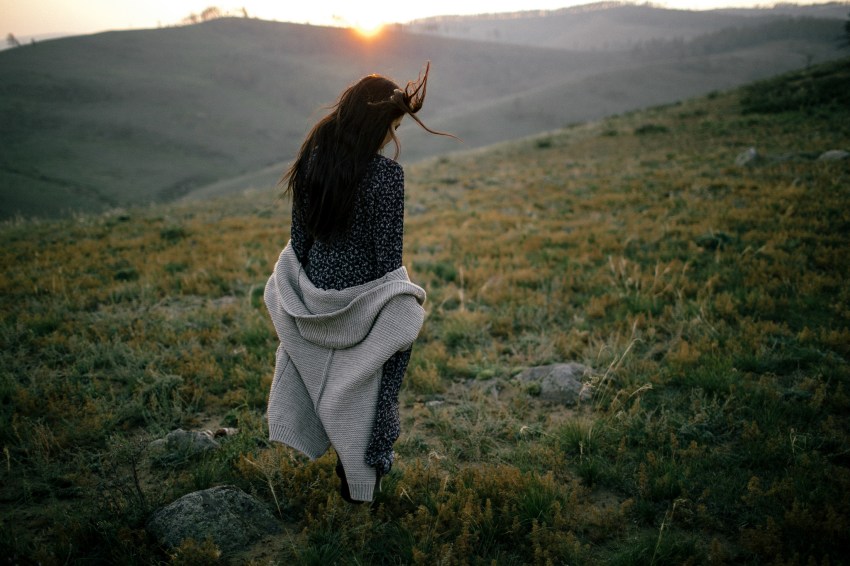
302, 441
361, 491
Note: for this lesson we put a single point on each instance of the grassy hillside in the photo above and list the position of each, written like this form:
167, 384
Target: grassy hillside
128, 118
710, 299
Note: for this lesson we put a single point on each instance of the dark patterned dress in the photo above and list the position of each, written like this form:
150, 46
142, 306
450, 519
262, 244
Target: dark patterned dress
371, 248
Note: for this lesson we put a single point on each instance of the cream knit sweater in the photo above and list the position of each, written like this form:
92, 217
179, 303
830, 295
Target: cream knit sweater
333, 345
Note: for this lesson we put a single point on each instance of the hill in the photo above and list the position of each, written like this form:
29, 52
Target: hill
145, 116
611, 26
701, 282
127, 118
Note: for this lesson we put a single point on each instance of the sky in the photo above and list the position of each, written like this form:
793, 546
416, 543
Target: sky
27, 18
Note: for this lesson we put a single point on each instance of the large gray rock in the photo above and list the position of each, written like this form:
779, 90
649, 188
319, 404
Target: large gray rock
228, 516
560, 383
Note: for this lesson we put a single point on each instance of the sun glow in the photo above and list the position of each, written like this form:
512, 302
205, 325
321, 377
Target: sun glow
367, 29
367, 26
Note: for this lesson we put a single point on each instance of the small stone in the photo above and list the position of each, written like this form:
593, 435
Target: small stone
417, 209
224, 431
560, 383
834, 155
181, 445
747, 157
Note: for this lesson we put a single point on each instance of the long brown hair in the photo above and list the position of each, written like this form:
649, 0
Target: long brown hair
336, 153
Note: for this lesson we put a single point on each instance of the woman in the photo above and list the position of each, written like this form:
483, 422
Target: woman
342, 304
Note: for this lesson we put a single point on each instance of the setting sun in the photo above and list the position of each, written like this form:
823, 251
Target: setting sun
367, 26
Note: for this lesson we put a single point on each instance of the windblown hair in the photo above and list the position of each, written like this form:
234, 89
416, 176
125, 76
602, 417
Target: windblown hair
335, 155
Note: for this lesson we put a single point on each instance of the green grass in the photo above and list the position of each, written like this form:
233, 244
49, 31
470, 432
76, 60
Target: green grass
710, 301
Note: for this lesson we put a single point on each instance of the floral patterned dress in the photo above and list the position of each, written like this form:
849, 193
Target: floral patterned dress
371, 248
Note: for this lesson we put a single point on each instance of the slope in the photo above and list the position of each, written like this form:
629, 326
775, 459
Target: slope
708, 300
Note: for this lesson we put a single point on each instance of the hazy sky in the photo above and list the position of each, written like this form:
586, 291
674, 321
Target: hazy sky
26, 18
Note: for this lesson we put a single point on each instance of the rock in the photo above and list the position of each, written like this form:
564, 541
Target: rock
226, 301
224, 431
560, 383
228, 516
181, 445
417, 209
747, 157
834, 155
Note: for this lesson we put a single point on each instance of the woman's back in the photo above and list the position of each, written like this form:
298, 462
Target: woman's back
348, 227
372, 245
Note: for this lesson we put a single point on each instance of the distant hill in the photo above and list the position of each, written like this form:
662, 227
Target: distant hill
133, 117
138, 116
613, 26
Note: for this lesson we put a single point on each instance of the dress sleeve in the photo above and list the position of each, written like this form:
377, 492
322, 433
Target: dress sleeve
301, 242
388, 216
388, 236
387, 427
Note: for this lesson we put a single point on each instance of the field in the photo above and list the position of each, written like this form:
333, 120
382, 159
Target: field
711, 300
